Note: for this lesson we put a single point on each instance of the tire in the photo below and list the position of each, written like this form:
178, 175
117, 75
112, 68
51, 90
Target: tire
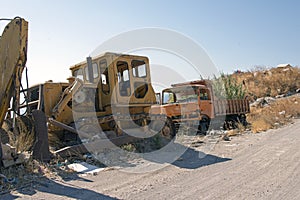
169, 130
242, 119
204, 125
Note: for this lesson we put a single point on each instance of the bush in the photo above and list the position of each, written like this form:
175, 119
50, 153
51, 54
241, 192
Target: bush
227, 87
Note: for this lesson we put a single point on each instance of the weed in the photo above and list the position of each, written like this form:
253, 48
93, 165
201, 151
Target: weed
227, 87
129, 147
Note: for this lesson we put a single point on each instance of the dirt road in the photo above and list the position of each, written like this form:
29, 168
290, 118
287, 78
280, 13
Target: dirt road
250, 166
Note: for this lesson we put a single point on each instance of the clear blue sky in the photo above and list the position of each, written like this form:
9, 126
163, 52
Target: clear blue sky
235, 34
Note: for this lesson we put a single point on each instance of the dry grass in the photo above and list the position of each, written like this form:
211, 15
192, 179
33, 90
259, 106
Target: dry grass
276, 114
233, 132
240, 127
22, 137
271, 82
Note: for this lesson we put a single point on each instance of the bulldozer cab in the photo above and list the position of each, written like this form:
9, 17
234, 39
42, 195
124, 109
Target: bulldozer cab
119, 79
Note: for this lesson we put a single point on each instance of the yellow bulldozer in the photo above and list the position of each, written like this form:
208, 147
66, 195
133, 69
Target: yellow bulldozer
109, 96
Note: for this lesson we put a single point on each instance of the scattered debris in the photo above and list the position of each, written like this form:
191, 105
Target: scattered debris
280, 96
85, 168
10, 156
8, 180
282, 112
269, 100
226, 138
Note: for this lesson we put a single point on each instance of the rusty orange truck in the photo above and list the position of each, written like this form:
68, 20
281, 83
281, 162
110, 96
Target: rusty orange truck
195, 103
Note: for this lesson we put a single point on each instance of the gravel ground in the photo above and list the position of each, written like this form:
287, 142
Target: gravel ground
249, 166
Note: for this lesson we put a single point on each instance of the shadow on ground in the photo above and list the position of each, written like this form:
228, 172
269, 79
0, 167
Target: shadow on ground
192, 159
47, 188
184, 157
174, 154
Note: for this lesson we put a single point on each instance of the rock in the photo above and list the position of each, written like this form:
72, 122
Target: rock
276, 124
280, 96
269, 100
8, 152
287, 69
282, 112
254, 104
262, 101
180, 159
226, 138
21, 158
257, 102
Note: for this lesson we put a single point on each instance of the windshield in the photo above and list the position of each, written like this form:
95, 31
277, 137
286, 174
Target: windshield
180, 95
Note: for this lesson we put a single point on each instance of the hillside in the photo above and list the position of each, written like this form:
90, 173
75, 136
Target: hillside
282, 80
274, 96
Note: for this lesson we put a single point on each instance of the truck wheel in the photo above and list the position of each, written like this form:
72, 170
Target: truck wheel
242, 119
203, 125
168, 131
156, 125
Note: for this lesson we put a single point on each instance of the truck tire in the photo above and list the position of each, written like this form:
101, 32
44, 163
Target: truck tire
242, 119
203, 125
169, 130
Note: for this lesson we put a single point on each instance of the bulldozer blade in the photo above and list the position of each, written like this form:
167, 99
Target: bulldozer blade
41, 146
94, 147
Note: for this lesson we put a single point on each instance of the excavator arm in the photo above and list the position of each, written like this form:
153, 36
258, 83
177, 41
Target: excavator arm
13, 56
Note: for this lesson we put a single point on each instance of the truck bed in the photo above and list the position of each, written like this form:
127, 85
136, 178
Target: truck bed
230, 107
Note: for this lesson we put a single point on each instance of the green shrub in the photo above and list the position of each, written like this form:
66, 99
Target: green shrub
226, 87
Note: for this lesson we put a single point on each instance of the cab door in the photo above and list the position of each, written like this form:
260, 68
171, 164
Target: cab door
123, 84
205, 102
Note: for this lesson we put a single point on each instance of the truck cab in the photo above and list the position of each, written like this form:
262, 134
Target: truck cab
182, 103
195, 101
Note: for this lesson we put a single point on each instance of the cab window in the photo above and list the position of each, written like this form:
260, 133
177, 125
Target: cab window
104, 77
139, 68
78, 74
204, 94
168, 97
95, 72
123, 78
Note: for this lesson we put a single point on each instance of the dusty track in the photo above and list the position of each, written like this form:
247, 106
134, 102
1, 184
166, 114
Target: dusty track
250, 166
